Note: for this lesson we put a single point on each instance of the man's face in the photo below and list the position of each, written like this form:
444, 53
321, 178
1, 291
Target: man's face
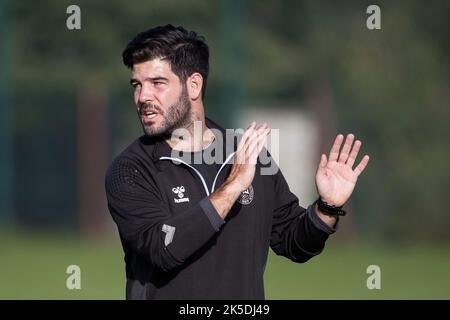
162, 101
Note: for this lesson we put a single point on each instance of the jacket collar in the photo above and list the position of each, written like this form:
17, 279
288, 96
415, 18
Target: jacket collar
162, 149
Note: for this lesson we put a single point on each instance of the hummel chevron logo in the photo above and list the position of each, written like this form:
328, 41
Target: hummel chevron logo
179, 191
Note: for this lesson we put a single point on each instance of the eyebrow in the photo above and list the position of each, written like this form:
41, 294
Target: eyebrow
134, 80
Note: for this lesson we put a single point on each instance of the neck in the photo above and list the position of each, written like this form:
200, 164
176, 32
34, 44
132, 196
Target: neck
193, 137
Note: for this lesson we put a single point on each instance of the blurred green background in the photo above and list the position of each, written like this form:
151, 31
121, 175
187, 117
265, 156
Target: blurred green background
66, 110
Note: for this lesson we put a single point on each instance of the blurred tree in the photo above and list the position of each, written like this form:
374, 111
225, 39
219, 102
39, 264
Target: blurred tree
7, 127
390, 87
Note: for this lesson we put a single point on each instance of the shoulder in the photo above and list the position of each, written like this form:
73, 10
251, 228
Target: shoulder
128, 156
126, 168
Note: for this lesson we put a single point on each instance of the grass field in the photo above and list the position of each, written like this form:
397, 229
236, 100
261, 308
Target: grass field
34, 267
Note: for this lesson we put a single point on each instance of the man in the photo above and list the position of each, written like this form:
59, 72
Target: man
193, 230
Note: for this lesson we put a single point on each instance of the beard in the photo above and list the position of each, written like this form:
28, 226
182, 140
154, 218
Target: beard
176, 116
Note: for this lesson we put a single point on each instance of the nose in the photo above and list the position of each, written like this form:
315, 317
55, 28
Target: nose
145, 94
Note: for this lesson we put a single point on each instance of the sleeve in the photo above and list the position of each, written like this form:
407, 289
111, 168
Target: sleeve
145, 224
297, 233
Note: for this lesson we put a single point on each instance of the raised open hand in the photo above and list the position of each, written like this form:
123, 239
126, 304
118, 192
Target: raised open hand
335, 178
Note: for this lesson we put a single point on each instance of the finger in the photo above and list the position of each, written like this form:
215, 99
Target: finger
240, 150
260, 130
351, 159
262, 139
255, 144
334, 152
251, 146
254, 134
250, 136
256, 149
245, 136
264, 126
362, 165
249, 139
323, 161
346, 148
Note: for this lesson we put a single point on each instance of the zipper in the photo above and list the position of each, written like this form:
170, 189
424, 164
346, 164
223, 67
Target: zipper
205, 186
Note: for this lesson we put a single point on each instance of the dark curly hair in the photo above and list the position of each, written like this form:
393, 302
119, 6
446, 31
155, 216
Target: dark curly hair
185, 51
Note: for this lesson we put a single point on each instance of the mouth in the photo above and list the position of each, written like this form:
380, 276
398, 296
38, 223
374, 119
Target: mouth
148, 115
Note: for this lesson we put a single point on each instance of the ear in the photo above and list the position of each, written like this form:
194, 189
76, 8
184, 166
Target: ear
195, 85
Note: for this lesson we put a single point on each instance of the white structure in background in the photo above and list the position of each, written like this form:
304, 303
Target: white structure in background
299, 138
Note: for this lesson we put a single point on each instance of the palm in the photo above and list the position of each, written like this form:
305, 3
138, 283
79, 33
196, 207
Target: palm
335, 178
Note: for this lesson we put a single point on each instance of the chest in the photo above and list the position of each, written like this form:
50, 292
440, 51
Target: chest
182, 187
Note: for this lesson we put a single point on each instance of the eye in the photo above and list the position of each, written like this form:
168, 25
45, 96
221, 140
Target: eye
135, 84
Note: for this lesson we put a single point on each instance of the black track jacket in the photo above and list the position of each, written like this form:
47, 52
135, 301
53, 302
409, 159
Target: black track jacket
177, 246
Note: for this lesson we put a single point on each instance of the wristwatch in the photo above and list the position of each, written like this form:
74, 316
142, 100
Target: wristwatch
328, 209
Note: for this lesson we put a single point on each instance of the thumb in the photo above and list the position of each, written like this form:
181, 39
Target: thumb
323, 161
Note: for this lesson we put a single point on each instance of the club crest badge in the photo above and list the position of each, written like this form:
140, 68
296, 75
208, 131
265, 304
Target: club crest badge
246, 196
